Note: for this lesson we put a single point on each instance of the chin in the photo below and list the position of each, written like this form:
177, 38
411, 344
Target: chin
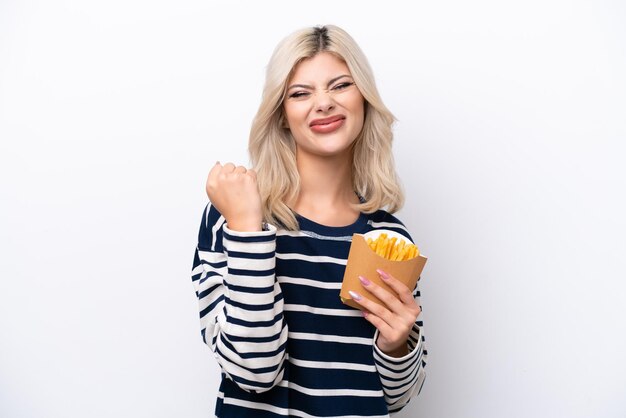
332, 151
325, 145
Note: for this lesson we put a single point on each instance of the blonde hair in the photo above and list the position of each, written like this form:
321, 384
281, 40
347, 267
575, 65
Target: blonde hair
272, 147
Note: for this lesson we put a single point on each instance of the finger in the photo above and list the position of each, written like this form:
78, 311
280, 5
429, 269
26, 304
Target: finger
373, 307
251, 173
403, 292
240, 169
389, 299
382, 326
228, 168
213, 173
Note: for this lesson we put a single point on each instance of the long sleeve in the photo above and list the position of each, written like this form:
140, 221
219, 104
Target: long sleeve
240, 302
402, 378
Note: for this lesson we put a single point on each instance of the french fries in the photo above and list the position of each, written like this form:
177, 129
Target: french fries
392, 250
395, 254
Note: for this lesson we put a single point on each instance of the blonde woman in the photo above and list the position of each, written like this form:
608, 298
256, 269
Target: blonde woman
274, 240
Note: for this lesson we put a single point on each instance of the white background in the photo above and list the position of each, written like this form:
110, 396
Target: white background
509, 142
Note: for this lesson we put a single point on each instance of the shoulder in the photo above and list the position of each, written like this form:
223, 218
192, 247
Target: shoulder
211, 229
381, 219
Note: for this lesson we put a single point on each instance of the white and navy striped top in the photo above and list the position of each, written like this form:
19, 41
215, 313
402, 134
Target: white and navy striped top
270, 312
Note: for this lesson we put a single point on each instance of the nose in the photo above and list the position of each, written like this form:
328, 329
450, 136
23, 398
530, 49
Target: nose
324, 102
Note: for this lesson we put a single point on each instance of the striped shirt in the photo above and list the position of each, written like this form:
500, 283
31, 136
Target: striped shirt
270, 312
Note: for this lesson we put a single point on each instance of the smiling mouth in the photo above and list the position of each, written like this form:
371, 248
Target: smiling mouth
328, 127
327, 121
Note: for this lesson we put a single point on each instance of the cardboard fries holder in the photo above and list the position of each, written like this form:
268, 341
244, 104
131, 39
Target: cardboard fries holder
363, 261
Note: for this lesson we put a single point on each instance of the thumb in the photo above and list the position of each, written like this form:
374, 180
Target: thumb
251, 173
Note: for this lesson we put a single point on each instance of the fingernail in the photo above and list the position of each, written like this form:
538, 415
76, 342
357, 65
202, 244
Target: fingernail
354, 295
364, 313
383, 275
217, 162
364, 281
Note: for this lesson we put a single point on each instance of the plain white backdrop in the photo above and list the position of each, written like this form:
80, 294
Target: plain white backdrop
509, 142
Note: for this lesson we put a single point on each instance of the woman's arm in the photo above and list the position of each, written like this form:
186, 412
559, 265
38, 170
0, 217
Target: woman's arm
399, 344
240, 302
403, 378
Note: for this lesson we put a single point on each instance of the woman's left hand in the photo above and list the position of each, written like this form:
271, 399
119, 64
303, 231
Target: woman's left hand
395, 321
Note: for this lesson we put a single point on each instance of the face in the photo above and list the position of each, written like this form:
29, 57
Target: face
323, 107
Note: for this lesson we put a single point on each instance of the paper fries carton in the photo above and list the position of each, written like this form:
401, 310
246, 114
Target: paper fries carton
363, 261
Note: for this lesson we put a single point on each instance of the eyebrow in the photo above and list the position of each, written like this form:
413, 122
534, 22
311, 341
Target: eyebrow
309, 87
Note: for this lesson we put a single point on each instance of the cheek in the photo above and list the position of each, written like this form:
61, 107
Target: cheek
355, 103
358, 108
295, 113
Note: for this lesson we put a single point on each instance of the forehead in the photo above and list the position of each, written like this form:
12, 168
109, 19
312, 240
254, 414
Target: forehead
321, 67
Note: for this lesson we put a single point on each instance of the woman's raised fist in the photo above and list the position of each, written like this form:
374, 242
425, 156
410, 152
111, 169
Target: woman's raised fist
234, 193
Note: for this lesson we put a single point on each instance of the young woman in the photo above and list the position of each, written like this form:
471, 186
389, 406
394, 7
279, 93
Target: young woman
274, 241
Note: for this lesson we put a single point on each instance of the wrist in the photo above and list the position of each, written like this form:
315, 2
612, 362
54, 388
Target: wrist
245, 225
397, 352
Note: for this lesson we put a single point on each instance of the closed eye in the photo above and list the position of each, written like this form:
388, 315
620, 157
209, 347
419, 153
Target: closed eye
298, 94
342, 86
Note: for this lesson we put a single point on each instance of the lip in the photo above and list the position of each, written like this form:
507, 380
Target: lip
328, 128
327, 120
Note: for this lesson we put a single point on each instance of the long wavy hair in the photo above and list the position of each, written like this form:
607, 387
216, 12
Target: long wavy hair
272, 147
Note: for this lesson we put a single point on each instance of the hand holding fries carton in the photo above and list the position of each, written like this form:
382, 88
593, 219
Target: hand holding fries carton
380, 249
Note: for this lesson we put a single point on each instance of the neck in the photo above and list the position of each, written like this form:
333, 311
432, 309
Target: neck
326, 189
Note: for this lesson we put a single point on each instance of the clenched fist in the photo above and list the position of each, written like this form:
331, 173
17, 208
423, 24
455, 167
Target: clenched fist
235, 194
